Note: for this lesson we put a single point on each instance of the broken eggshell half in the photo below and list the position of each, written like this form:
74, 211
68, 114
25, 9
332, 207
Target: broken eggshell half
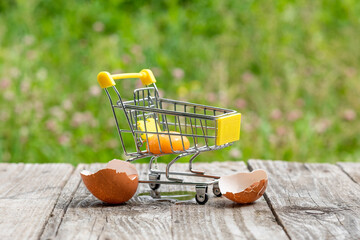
244, 187
115, 184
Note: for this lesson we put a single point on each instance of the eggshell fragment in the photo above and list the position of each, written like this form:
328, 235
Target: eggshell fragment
244, 187
115, 184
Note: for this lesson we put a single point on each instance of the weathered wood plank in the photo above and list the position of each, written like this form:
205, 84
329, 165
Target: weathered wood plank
62, 205
313, 201
28, 193
351, 169
220, 218
145, 218
87, 217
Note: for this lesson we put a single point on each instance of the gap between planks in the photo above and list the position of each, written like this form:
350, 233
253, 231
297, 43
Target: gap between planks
28, 194
316, 201
268, 201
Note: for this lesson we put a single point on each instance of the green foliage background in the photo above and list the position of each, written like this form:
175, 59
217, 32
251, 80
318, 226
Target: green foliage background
291, 67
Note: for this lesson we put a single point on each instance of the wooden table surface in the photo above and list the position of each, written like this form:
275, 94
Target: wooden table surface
302, 201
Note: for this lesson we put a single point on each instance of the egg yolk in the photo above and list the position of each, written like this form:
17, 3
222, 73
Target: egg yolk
165, 144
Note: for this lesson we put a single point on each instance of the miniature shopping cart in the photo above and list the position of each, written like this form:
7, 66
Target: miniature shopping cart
151, 117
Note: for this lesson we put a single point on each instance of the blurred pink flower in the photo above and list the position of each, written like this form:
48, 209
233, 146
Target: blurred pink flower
224, 97
111, 123
235, 153
9, 95
98, 26
80, 118
276, 114
29, 40
247, 77
14, 72
94, 90
88, 140
211, 97
349, 115
67, 104
57, 112
77, 119
281, 131
161, 92
300, 102
350, 72
250, 122
126, 58
273, 139
248, 126
136, 50
178, 73
5, 83
64, 139
112, 143
117, 71
51, 125
4, 116
31, 55
38, 106
240, 103
322, 125
139, 84
294, 115
41, 74
24, 86
19, 109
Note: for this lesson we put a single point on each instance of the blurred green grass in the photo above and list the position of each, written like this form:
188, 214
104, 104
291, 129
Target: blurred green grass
290, 67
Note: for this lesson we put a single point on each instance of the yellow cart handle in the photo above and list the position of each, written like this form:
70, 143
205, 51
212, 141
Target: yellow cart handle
106, 80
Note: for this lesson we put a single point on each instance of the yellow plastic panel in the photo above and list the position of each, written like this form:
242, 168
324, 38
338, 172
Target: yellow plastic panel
105, 80
150, 127
228, 129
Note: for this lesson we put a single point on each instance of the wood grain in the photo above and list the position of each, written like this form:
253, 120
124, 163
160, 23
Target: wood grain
351, 169
28, 193
313, 201
145, 218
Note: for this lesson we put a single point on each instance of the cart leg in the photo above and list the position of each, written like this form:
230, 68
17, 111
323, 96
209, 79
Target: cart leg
201, 196
190, 164
151, 163
167, 173
152, 175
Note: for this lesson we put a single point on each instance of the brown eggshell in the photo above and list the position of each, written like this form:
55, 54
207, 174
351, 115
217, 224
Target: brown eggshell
244, 187
115, 184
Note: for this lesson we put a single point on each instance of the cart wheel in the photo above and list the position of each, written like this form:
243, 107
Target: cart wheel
202, 199
216, 191
201, 196
154, 186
